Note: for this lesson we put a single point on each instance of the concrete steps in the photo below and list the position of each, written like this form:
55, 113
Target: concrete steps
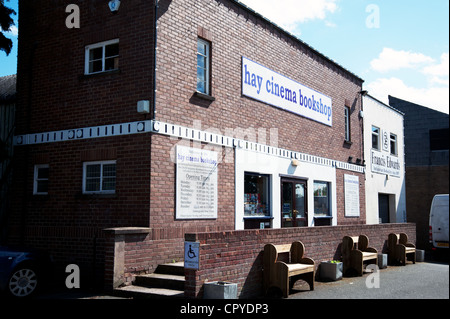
166, 282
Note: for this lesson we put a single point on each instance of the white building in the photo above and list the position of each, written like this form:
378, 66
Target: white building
385, 161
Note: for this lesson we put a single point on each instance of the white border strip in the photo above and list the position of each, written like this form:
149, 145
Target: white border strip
173, 130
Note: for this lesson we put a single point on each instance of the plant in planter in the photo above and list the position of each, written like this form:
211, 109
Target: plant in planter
331, 270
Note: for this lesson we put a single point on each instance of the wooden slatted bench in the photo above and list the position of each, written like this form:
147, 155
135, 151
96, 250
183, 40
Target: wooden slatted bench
356, 251
284, 274
400, 250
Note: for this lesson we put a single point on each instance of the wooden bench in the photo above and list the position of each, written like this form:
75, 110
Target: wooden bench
400, 250
284, 274
356, 251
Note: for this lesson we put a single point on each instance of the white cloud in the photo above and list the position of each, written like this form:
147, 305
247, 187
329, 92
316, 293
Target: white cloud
432, 97
391, 60
438, 73
14, 31
289, 13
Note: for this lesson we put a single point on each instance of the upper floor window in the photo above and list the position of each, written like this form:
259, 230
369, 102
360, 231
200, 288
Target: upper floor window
393, 140
102, 57
347, 124
375, 138
203, 66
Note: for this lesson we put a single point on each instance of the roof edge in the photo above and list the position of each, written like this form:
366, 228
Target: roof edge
256, 14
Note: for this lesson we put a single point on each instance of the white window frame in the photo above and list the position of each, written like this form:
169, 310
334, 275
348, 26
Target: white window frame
207, 65
102, 164
377, 134
36, 179
88, 48
393, 141
328, 196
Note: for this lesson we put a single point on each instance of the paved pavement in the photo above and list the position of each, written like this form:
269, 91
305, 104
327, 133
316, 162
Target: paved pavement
424, 280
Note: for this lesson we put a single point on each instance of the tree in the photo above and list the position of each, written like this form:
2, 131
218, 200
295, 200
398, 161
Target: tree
6, 22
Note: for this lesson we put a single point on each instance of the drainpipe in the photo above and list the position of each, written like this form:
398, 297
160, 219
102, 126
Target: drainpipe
155, 36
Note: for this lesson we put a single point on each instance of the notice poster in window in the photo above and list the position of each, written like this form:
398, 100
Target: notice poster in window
351, 188
196, 184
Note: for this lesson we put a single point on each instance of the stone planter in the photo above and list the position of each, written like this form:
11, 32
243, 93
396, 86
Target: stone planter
382, 261
219, 290
331, 271
420, 255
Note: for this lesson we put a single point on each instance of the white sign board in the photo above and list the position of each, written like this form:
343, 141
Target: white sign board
385, 164
265, 85
196, 184
191, 255
351, 189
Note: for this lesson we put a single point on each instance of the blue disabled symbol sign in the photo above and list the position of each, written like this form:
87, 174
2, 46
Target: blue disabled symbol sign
191, 255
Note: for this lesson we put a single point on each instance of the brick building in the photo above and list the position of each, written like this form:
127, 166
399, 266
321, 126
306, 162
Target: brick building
249, 127
426, 157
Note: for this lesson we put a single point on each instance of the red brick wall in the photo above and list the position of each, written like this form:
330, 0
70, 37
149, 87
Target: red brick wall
237, 256
54, 94
163, 183
234, 33
66, 222
53, 57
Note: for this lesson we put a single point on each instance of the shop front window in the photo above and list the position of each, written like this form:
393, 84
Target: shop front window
322, 211
256, 197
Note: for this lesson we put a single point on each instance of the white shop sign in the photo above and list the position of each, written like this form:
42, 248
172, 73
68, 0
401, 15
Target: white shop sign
196, 183
265, 85
351, 190
385, 164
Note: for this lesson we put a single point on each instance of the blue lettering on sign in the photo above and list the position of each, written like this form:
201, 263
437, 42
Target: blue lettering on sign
265, 85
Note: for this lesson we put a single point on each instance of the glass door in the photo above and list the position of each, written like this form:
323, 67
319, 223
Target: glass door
293, 203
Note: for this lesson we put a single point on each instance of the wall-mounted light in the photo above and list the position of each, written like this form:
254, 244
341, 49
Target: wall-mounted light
143, 107
364, 92
114, 5
295, 163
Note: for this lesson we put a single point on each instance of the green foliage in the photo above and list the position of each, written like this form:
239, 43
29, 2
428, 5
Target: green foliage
6, 22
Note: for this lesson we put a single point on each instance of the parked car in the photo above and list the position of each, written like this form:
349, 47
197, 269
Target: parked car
439, 222
23, 271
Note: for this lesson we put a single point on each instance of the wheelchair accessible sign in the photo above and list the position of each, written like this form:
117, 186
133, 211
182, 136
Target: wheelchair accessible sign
191, 255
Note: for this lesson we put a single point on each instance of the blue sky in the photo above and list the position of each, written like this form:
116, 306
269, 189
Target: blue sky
398, 47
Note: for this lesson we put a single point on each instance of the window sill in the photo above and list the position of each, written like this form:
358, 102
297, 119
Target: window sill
348, 142
99, 74
204, 96
99, 195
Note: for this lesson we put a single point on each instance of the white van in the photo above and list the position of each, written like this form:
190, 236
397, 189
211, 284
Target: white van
439, 222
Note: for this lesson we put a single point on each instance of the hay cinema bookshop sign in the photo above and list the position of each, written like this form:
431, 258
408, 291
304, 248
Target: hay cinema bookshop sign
265, 85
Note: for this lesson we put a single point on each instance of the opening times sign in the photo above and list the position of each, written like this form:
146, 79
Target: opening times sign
351, 189
196, 184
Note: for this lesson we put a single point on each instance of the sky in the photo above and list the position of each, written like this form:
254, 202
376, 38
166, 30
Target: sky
399, 48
